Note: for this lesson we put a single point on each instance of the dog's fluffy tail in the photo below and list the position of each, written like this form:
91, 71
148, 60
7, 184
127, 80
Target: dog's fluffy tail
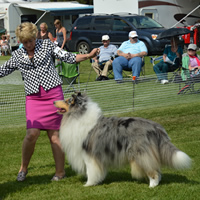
173, 157
180, 160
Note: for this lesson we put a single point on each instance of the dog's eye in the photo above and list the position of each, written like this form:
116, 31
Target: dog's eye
70, 100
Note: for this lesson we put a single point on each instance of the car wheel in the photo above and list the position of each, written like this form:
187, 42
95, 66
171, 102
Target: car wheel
83, 48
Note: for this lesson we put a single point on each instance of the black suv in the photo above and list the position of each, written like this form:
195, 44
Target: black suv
87, 31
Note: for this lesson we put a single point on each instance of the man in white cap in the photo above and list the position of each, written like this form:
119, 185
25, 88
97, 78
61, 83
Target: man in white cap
130, 57
103, 62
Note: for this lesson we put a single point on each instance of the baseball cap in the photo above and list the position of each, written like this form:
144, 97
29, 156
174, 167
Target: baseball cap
105, 37
133, 34
192, 46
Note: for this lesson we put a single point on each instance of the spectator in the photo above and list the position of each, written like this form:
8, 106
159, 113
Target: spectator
44, 33
190, 62
4, 45
130, 57
103, 62
171, 60
42, 88
61, 34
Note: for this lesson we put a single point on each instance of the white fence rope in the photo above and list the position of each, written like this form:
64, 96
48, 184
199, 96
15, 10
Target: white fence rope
112, 97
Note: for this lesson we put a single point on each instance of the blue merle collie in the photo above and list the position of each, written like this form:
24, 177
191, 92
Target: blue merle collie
93, 143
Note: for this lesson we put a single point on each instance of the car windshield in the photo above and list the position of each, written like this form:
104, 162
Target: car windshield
143, 22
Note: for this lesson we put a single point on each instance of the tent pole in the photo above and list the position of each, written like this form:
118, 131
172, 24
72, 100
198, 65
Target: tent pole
186, 16
40, 17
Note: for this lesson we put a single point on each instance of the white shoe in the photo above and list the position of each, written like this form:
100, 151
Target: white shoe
164, 81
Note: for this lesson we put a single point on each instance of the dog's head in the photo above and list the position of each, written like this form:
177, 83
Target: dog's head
75, 103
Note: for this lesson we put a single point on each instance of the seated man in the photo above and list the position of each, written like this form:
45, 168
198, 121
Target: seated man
130, 56
103, 62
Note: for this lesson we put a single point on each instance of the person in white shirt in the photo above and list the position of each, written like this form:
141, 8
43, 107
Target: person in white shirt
130, 57
102, 63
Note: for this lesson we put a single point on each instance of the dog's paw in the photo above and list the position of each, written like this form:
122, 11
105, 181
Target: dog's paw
88, 184
153, 182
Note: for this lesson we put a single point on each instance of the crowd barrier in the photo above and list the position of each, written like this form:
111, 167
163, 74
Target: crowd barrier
112, 97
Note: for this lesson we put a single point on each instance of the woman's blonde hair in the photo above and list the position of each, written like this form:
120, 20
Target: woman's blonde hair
26, 31
45, 25
57, 21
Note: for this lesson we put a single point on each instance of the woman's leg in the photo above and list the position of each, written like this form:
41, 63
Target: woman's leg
165, 70
58, 154
161, 69
28, 147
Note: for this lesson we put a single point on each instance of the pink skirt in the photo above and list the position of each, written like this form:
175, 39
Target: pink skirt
40, 110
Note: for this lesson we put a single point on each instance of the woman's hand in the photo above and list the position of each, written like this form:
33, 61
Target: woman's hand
94, 53
177, 54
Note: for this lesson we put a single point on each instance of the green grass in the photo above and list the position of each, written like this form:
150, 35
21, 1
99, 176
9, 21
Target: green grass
181, 122
183, 127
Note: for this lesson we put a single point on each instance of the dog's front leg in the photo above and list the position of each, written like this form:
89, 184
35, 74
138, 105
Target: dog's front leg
95, 172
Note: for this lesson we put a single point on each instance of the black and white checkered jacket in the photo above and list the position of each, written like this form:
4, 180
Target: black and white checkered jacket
41, 71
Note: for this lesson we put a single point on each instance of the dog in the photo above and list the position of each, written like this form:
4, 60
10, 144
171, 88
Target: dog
93, 143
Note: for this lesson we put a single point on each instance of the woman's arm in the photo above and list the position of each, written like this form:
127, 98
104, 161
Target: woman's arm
71, 57
64, 37
164, 57
189, 67
7, 68
56, 34
92, 54
50, 36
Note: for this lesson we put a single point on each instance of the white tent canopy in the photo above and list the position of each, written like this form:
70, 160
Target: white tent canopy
58, 8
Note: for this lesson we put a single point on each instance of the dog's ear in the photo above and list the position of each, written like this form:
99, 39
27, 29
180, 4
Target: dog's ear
78, 93
74, 98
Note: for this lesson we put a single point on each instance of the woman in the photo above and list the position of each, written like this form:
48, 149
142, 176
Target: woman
42, 88
190, 62
4, 45
171, 58
43, 33
61, 34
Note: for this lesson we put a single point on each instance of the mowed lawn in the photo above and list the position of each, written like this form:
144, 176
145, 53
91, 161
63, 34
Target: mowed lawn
180, 121
183, 127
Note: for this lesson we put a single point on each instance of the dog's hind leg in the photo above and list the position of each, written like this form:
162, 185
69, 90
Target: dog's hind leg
95, 172
136, 171
154, 178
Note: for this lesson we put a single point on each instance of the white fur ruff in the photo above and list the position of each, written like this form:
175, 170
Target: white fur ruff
73, 132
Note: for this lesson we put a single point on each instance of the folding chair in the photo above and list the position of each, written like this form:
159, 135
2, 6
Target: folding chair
191, 82
69, 73
154, 59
